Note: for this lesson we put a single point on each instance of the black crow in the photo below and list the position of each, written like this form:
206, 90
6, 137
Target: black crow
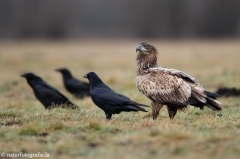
46, 94
228, 92
109, 101
73, 85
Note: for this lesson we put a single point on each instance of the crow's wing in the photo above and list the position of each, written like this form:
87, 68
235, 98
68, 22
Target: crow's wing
103, 96
76, 84
47, 91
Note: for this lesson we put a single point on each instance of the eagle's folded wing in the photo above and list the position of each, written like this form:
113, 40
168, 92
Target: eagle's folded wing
164, 87
175, 72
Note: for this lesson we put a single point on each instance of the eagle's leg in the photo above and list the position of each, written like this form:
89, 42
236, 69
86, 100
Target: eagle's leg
155, 109
172, 110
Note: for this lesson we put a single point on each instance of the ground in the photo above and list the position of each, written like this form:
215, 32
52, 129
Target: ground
28, 128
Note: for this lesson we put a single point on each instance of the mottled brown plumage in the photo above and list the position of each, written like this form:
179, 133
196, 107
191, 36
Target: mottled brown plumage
170, 87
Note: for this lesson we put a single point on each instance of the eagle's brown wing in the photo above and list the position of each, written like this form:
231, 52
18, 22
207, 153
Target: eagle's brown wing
175, 72
165, 86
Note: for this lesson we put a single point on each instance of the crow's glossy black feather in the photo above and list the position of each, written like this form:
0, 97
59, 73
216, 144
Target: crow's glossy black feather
109, 101
73, 85
46, 94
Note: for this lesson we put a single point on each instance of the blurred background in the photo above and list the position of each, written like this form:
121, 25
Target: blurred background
93, 35
63, 19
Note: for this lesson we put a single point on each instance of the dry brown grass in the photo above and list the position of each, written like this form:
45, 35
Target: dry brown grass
27, 127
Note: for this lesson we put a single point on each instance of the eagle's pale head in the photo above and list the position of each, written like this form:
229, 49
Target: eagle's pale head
146, 57
146, 49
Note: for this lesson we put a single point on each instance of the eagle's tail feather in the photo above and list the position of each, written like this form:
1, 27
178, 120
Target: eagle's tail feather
214, 104
172, 111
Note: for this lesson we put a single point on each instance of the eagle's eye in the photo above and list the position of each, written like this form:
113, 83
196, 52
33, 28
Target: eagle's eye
146, 46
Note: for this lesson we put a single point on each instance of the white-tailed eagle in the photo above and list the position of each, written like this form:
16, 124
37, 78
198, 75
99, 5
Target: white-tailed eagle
170, 87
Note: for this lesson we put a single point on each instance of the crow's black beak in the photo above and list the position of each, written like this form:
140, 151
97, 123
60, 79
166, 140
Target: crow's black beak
85, 76
58, 70
23, 75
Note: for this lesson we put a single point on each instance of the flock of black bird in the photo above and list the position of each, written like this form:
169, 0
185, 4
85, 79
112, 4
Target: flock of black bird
103, 96
163, 86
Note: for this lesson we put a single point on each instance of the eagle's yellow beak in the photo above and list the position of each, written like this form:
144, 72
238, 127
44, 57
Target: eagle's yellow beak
140, 48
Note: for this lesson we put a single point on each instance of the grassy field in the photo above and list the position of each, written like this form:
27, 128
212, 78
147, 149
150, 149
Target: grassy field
28, 128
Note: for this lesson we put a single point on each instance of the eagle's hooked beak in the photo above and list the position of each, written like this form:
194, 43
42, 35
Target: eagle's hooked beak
140, 48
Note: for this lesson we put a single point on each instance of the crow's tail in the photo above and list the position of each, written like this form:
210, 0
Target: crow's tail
129, 108
139, 104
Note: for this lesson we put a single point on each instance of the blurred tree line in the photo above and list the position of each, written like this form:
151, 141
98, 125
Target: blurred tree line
123, 18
